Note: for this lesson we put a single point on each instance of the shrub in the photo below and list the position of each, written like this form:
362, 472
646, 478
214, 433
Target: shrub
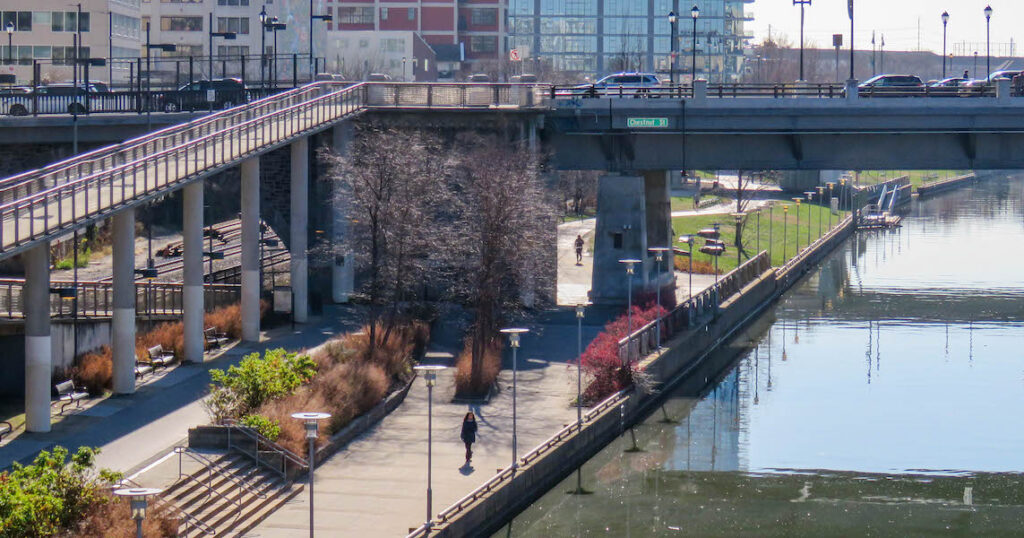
266, 427
170, 335
95, 370
601, 359
228, 319
258, 379
700, 267
491, 368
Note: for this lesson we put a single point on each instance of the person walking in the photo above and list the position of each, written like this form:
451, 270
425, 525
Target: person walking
579, 249
469, 434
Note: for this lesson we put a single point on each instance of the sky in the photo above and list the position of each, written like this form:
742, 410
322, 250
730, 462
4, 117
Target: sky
897, 19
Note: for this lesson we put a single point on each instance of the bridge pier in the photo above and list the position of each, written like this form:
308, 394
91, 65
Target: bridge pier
192, 261
38, 359
633, 214
300, 229
123, 323
251, 250
342, 266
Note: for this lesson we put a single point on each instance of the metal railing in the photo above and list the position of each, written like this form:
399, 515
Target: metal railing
767, 90
125, 101
454, 95
643, 341
96, 299
213, 469
269, 446
813, 247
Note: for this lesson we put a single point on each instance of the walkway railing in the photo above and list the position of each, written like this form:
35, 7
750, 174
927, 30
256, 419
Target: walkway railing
96, 299
286, 456
765, 90
644, 340
813, 247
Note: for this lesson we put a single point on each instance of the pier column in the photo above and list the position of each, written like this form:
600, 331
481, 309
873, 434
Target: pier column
658, 205
621, 232
300, 228
38, 359
192, 260
123, 326
251, 250
342, 266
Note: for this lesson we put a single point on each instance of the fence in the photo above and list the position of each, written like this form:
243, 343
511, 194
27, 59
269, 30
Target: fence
775, 91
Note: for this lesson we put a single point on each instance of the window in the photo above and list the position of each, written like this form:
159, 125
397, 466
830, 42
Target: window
42, 18
355, 15
22, 20
57, 21
392, 45
238, 25
181, 1
181, 24
232, 50
412, 14
484, 17
124, 26
232, 2
483, 43
383, 13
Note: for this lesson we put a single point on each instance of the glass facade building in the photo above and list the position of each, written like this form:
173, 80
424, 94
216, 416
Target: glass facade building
597, 37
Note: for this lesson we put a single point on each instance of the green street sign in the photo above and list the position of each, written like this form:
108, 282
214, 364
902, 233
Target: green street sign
647, 123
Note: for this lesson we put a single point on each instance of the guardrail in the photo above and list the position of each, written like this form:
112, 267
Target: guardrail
813, 247
212, 469
270, 446
40, 102
454, 95
643, 341
96, 299
772, 90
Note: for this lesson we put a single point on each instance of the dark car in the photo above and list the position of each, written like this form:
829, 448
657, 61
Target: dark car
227, 92
893, 81
952, 82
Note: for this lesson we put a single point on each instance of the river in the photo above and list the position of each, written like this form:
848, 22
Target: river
882, 396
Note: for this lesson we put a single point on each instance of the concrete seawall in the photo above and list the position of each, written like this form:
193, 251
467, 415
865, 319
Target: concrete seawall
485, 511
945, 185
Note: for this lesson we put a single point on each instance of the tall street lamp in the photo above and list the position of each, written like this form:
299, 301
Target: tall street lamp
659, 255
821, 199
688, 239
810, 197
830, 187
694, 13
579, 367
225, 35
785, 235
629, 263
672, 20
274, 26
312, 17
945, 21
263, 47
801, 3
10, 40
312, 423
429, 372
797, 211
138, 501
988, 40
167, 47
513, 342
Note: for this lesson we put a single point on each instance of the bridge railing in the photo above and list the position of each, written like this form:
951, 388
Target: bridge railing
189, 151
771, 90
643, 341
454, 95
96, 299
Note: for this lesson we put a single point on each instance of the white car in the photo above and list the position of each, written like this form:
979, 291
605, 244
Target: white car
631, 83
65, 98
15, 101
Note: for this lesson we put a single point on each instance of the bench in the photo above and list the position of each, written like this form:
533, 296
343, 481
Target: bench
142, 368
5, 429
214, 338
159, 357
68, 393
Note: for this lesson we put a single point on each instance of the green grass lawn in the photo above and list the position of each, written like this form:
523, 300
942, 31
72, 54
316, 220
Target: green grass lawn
685, 203
752, 232
917, 177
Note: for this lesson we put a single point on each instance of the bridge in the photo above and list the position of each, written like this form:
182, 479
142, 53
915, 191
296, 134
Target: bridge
638, 139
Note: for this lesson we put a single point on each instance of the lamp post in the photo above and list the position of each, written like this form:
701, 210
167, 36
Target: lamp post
842, 192
275, 26
758, 211
801, 3
10, 41
167, 47
225, 35
513, 342
579, 368
830, 187
629, 263
945, 21
988, 41
659, 255
821, 198
263, 47
429, 372
138, 501
810, 197
771, 219
975, 64
312, 423
797, 211
312, 17
695, 14
785, 236
688, 239
672, 20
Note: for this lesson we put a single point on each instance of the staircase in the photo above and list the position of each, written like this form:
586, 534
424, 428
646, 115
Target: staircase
228, 493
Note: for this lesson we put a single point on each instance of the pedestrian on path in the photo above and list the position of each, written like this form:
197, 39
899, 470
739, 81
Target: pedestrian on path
579, 249
469, 434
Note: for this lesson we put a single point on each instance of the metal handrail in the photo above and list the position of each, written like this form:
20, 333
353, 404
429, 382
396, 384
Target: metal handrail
786, 267
212, 468
162, 503
286, 455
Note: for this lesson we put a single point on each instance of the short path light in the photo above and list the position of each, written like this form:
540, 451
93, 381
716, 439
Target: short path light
138, 501
429, 372
312, 422
513, 342
659, 256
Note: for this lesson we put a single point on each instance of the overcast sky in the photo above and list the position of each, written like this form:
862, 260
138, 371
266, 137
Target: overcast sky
897, 19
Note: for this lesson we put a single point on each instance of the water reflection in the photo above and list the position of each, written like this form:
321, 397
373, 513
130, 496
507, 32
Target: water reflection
801, 431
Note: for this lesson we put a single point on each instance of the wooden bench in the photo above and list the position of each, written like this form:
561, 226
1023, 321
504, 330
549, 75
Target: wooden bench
142, 368
68, 393
214, 338
5, 429
159, 357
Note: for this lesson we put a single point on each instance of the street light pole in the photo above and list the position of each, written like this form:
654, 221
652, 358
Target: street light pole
988, 41
785, 235
311, 422
659, 256
430, 372
513, 342
945, 21
225, 35
694, 13
801, 3
263, 48
10, 42
312, 17
672, 20
797, 211
137, 499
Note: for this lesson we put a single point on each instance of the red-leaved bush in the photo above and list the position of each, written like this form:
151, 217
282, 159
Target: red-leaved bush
601, 359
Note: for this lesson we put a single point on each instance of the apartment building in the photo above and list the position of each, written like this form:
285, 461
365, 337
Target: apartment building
45, 32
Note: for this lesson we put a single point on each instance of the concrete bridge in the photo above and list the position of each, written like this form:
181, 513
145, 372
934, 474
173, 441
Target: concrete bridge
638, 140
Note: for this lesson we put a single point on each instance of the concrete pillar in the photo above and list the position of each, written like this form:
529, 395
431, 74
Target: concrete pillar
251, 250
192, 258
300, 228
38, 361
343, 266
658, 204
621, 232
852, 91
123, 326
700, 91
1004, 90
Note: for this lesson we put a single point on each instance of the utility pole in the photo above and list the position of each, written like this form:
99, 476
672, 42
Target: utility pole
801, 3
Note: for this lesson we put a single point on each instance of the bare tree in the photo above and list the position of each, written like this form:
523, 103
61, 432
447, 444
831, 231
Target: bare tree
747, 188
578, 189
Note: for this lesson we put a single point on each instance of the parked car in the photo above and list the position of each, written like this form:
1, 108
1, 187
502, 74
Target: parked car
893, 81
228, 92
952, 82
626, 82
479, 77
379, 77
66, 97
15, 101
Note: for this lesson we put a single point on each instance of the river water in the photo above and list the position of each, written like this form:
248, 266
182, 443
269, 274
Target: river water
881, 396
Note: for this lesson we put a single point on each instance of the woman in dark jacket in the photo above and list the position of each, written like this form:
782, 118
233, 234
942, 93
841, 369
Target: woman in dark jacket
469, 434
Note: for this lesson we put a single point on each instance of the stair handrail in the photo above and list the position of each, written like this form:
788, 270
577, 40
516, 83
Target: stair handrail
161, 502
212, 467
286, 455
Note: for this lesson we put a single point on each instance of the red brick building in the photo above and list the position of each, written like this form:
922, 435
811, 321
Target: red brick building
477, 25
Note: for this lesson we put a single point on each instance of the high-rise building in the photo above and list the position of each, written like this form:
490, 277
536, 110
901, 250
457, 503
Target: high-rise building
596, 37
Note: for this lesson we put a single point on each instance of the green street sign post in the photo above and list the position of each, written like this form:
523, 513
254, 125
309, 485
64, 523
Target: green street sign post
647, 123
